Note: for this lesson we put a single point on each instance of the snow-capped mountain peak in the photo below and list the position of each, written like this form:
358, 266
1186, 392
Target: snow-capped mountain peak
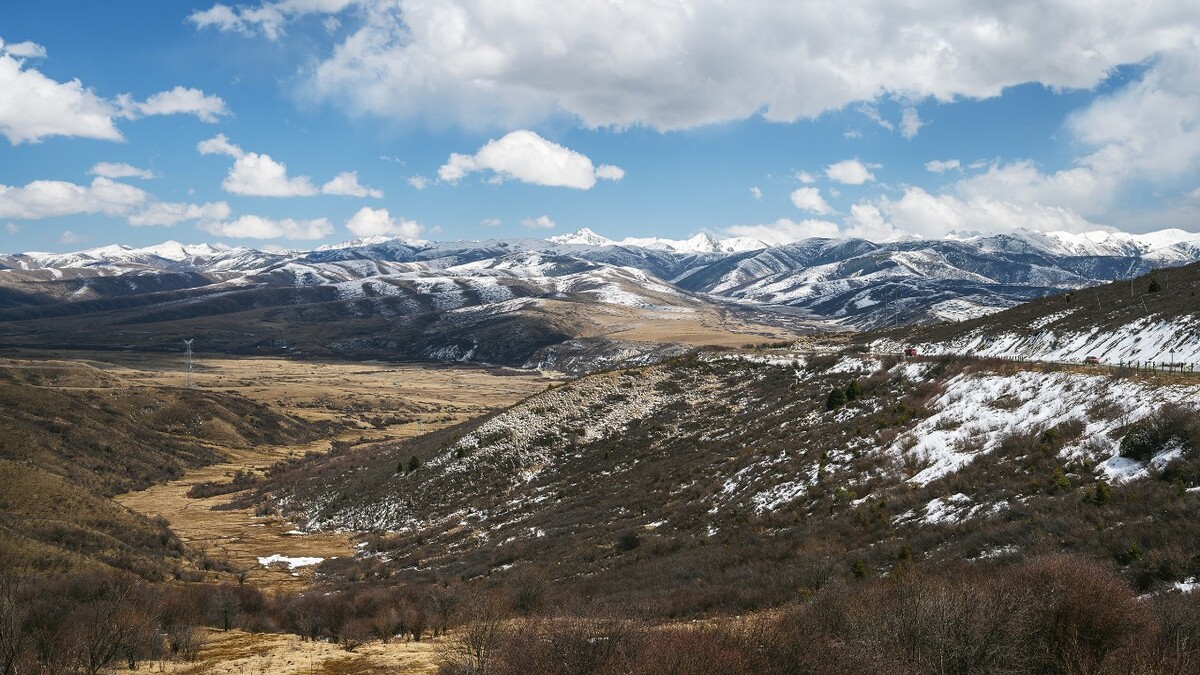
583, 236
173, 250
371, 240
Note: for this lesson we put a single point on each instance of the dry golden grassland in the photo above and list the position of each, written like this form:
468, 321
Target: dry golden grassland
373, 401
377, 401
699, 326
239, 653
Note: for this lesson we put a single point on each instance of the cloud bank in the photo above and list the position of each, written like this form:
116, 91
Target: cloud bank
674, 64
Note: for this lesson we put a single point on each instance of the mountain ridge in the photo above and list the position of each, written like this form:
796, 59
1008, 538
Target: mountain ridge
382, 296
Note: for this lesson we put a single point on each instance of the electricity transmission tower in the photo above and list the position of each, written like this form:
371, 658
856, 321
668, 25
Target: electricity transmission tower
187, 378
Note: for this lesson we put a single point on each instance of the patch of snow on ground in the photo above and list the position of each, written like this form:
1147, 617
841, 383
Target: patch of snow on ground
977, 411
946, 509
784, 360
961, 309
850, 364
1050, 318
779, 495
914, 372
292, 563
998, 552
1118, 469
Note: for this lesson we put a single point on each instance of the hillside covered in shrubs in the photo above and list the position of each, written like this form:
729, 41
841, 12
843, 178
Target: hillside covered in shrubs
723, 484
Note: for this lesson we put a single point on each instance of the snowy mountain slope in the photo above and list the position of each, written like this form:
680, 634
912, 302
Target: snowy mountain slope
701, 243
847, 283
169, 256
864, 284
1119, 323
511, 302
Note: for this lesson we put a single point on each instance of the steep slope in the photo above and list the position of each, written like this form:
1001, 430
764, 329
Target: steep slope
735, 482
1154, 318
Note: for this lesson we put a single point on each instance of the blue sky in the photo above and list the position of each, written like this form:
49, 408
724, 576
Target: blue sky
292, 123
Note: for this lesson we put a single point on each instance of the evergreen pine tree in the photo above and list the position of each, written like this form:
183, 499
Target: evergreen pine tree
859, 568
837, 398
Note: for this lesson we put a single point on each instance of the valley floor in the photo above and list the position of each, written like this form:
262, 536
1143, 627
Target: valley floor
372, 402
237, 652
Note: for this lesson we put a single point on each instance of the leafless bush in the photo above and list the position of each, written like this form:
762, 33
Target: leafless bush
568, 646
474, 648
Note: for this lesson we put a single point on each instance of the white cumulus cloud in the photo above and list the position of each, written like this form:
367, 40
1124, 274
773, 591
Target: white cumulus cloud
810, 199
120, 170
910, 123
525, 156
346, 184
49, 198
849, 172
539, 223
258, 227
609, 172
23, 50
942, 165
33, 107
219, 145
371, 222
269, 18
178, 101
260, 175
920, 213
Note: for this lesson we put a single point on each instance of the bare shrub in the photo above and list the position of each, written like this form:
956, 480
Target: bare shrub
569, 645
474, 648
1085, 617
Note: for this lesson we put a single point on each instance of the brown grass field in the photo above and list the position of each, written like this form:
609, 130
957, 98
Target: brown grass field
379, 401
240, 653
374, 401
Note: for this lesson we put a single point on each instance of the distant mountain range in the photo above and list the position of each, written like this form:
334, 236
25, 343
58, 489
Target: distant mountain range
459, 300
